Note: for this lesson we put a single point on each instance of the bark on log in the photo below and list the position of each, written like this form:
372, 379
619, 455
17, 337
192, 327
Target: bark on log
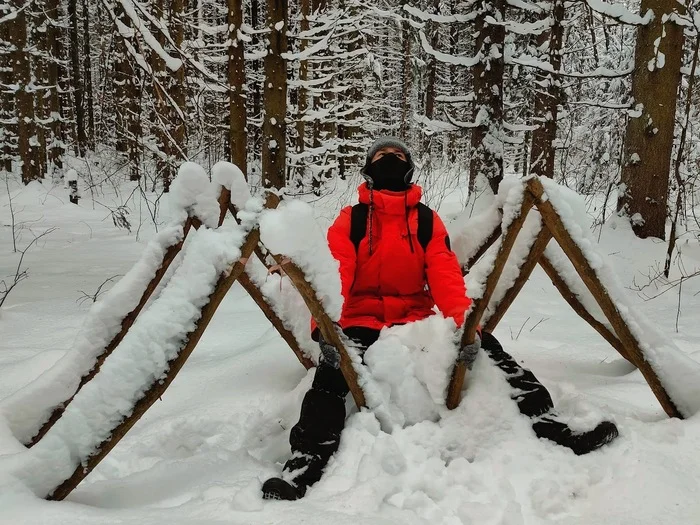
592, 282
471, 323
325, 325
490, 240
536, 251
158, 387
571, 298
126, 324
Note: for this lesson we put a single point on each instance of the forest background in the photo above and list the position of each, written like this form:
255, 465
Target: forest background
599, 96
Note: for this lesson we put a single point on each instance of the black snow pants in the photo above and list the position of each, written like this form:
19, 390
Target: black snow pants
315, 438
532, 397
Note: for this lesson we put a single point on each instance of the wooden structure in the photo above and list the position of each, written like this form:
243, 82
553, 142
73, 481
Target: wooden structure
552, 227
236, 272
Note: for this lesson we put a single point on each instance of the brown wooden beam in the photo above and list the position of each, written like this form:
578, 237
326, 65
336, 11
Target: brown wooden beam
224, 203
159, 386
127, 323
256, 294
592, 282
571, 298
479, 305
325, 324
490, 240
536, 251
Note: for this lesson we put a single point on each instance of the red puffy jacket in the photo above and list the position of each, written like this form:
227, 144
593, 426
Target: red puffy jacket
398, 282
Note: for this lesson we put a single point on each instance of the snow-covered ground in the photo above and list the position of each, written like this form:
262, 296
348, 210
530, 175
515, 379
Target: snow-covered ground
200, 454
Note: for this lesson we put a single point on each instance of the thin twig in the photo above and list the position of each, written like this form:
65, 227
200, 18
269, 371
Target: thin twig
538, 323
98, 292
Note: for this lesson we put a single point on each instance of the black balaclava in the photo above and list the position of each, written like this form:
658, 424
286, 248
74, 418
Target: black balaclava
389, 173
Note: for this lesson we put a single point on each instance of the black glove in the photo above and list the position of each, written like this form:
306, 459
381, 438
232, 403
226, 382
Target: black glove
330, 356
467, 353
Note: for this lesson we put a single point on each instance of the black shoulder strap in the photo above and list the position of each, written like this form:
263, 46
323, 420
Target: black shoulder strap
358, 224
425, 225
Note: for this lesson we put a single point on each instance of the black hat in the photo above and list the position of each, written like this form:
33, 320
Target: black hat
389, 142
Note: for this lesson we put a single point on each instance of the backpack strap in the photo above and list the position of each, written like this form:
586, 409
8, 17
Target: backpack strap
358, 224
425, 225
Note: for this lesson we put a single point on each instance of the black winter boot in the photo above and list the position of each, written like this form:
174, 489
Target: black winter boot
580, 442
279, 489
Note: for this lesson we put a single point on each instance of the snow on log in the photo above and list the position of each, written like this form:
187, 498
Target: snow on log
192, 192
678, 373
142, 360
232, 178
291, 231
470, 230
31, 406
509, 200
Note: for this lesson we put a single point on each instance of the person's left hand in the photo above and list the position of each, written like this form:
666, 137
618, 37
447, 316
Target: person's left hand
468, 353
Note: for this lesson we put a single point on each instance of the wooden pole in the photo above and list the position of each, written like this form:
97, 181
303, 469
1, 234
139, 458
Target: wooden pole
325, 325
479, 305
571, 298
323, 320
490, 240
592, 282
256, 294
126, 324
536, 251
158, 387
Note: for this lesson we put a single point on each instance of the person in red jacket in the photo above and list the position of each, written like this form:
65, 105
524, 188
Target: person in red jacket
389, 278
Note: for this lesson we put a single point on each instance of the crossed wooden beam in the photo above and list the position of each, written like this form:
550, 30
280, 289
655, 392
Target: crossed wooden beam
622, 339
236, 272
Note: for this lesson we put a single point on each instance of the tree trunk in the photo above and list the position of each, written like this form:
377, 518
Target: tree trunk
77, 83
456, 138
487, 144
547, 95
430, 89
406, 77
159, 116
38, 67
134, 123
275, 96
237, 97
53, 37
257, 95
87, 77
649, 137
127, 104
177, 91
6, 99
351, 104
302, 102
24, 100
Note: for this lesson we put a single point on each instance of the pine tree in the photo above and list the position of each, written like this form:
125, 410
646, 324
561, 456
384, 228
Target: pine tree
650, 131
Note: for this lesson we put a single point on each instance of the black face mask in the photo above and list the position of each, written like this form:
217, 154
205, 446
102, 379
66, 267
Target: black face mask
389, 173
